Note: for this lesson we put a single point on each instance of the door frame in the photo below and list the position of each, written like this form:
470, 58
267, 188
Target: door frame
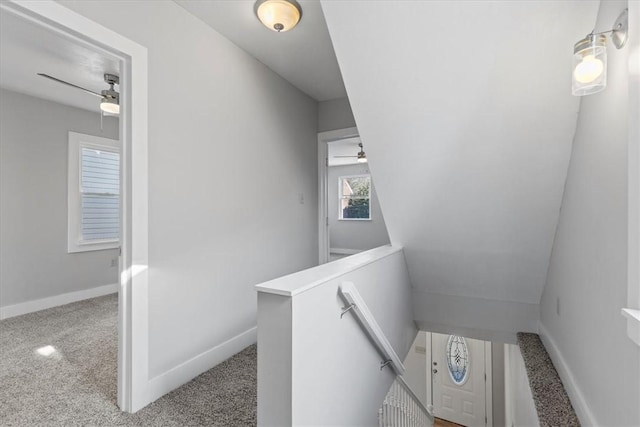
325, 138
133, 278
488, 371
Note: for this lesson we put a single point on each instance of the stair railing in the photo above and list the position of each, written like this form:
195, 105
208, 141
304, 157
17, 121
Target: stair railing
401, 407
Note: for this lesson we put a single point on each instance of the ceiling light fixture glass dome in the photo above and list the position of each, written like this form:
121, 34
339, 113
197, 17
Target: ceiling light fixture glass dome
278, 15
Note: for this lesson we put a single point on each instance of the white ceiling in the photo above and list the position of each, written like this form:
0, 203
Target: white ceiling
344, 147
466, 112
303, 56
27, 49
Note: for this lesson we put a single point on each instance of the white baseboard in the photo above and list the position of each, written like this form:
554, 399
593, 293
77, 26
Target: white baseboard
55, 301
185, 372
578, 401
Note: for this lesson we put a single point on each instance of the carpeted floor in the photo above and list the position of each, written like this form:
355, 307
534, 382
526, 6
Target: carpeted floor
73, 383
552, 402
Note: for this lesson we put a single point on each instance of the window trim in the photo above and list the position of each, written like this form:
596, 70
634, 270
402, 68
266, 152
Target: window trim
364, 175
77, 141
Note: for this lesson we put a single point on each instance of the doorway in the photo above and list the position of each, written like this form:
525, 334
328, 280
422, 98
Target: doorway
132, 331
349, 218
461, 379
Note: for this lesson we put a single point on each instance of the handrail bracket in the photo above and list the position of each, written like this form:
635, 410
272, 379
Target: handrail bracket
347, 309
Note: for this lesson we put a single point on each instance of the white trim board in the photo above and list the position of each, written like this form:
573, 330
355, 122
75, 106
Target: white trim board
185, 372
55, 301
576, 397
344, 251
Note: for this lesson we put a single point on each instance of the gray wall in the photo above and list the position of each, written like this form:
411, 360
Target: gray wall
335, 114
588, 271
228, 157
34, 262
354, 234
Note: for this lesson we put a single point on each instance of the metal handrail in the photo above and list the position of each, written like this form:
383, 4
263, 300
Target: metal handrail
356, 304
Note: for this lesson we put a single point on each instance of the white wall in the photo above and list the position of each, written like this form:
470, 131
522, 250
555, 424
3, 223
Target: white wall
587, 281
520, 410
416, 364
347, 234
335, 377
481, 160
231, 147
335, 114
34, 263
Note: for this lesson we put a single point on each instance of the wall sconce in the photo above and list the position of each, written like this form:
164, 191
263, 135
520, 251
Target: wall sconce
590, 57
278, 15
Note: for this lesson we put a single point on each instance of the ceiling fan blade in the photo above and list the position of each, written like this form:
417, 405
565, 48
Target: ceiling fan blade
70, 84
343, 156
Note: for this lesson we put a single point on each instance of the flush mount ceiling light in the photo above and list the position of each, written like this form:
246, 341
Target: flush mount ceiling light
278, 15
590, 57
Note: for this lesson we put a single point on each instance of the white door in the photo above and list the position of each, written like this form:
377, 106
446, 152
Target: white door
458, 375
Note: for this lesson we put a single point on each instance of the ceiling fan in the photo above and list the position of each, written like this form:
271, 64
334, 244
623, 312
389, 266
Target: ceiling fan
110, 99
362, 157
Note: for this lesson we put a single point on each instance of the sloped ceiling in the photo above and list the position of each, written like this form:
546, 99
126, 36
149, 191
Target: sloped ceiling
303, 56
27, 48
466, 111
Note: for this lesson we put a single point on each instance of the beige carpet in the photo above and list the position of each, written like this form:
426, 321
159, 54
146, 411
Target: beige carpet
73, 383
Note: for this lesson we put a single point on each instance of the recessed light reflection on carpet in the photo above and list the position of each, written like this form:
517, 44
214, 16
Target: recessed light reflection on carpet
47, 350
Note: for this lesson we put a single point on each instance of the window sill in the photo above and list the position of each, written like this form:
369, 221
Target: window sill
633, 324
97, 246
354, 219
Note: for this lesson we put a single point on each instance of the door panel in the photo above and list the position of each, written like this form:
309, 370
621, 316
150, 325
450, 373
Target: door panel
459, 397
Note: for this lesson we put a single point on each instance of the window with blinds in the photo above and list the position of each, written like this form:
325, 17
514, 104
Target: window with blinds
93, 221
100, 194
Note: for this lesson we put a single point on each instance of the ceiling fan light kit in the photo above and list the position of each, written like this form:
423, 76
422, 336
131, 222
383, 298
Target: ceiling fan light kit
110, 102
109, 98
361, 157
278, 15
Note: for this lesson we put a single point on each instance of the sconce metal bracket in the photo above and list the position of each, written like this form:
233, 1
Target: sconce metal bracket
620, 31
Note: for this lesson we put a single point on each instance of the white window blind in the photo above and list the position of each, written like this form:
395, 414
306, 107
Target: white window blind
100, 195
93, 215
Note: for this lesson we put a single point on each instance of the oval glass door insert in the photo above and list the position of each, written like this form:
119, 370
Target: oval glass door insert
457, 359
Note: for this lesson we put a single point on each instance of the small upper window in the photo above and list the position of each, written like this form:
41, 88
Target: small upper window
94, 193
355, 197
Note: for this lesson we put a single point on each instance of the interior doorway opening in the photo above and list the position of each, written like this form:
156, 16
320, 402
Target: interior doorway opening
132, 347
350, 218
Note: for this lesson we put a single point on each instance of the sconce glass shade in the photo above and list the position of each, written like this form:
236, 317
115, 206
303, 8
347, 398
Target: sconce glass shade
278, 15
589, 65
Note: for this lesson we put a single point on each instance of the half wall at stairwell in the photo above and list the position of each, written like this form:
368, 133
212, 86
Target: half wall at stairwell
318, 367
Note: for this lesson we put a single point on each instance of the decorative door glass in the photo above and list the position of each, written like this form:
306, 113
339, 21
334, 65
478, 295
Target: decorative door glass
457, 359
